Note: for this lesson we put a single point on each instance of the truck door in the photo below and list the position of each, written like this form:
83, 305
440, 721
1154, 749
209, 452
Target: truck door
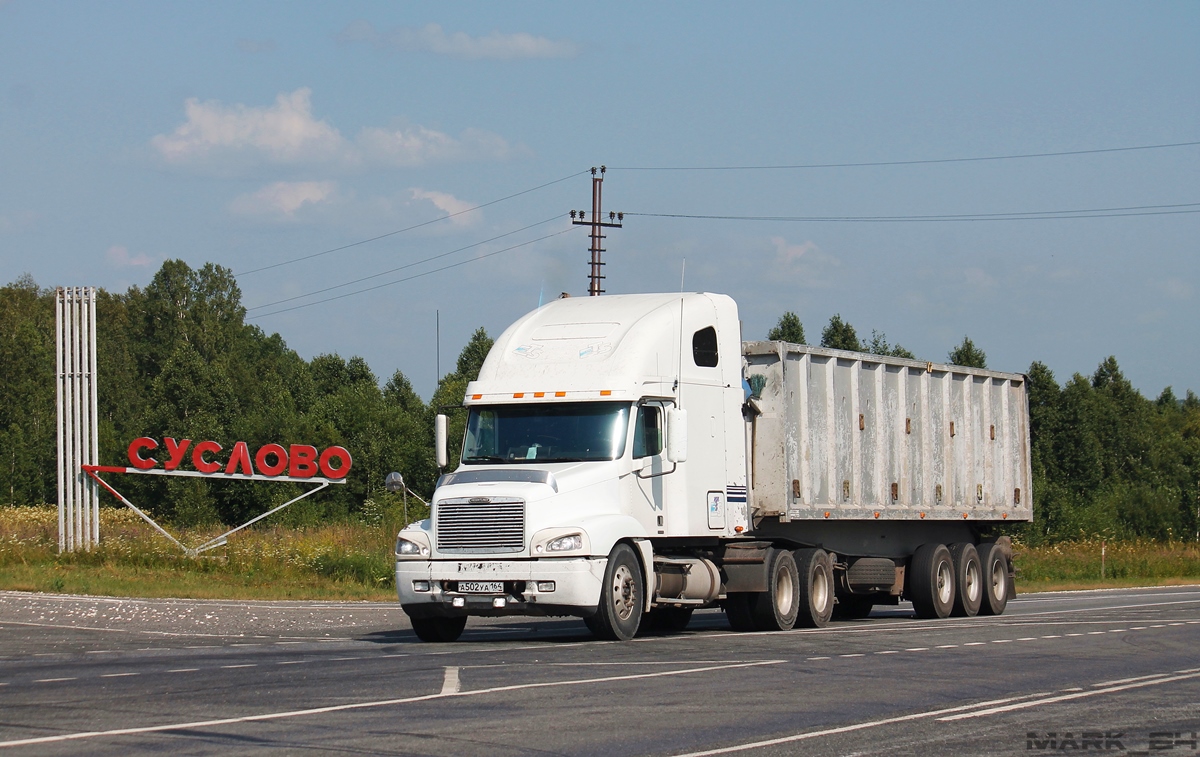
650, 466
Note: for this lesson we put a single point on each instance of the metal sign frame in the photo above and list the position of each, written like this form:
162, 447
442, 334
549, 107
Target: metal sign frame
94, 472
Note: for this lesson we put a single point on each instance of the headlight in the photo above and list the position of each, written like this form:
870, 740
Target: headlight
406, 548
565, 543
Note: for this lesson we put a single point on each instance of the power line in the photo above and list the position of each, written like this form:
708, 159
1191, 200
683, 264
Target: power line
407, 228
1038, 215
401, 268
416, 276
907, 162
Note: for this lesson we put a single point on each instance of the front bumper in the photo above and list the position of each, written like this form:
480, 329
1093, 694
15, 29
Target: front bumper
577, 582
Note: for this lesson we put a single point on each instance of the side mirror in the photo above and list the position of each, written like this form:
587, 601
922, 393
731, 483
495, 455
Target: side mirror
393, 482
440, 434
677, 435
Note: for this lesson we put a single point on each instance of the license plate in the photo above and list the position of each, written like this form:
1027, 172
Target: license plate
481, 587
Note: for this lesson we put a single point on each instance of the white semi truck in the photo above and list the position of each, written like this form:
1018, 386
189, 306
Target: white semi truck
628, 459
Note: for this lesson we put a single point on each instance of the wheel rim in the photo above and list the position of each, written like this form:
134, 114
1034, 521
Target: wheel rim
945, 582
785, 591
973, 585
624, 592
999, 580
819, 591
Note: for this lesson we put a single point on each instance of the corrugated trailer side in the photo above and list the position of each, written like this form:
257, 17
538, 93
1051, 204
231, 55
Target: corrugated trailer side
847, 436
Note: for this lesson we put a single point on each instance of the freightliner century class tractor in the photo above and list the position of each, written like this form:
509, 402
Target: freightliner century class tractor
628, 460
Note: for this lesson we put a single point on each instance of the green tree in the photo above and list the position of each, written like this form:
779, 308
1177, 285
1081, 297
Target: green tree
788, 329
879, 346
453, 388
967, 354
840, 335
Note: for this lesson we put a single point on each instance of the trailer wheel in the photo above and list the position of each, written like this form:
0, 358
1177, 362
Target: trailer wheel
968, 577
931, 581
777, 607
853, 607
816, 588
738, 608
997, 583
620, 610
439, 629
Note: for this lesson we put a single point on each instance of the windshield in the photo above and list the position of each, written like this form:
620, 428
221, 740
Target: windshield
549, 433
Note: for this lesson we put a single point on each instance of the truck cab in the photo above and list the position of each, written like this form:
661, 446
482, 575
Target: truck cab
600, 431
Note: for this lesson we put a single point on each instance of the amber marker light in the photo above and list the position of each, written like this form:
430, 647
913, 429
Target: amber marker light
476, 396
606, 392
518, 395
560, 394
539, 395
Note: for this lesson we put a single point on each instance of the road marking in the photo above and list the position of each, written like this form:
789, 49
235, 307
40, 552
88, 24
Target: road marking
343, 659
917, 649
1000, 641
183, 670
858, 654
820, 658
289, 642
1069, 697
246, 645
54, 680
947, 646
1128, 680
1073, 688
1159, 625
1027, 638
375, 704
978, 643
890, 651
291, 662
847, 728
246, 665
1096, 633
451, 684
100, 651
1052, 637
1138, 628
118, 675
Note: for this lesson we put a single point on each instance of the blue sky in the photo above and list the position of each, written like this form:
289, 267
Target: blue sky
251, 134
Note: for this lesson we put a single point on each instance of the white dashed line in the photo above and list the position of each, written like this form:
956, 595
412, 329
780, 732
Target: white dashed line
1027, 638
118, 675
979, 643
1138, 628
947, 646
292, 662
818, 658
183, 670
856, 654
1001, 641
246, 665
1052, 637
1074, 634
343, 659
1159, 625
1073, 688
1096, 633
917, 649
100, 651
245, 645
54, 680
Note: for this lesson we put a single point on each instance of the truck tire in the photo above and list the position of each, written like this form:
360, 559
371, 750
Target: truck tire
739, 611
931, 581
968, 578
664, 621
815, 588
439, 629
853, 607
777, 607
997, 581
619, 612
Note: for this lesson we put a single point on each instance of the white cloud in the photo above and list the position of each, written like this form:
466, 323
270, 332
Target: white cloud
219, 136
804, 263
282, 199
283, 133
433, 39
118, 255
449, 204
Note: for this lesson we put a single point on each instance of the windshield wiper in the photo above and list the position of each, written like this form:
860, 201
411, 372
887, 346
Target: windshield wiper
484, 459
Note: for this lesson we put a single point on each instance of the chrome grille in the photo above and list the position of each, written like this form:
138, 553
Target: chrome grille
488, 527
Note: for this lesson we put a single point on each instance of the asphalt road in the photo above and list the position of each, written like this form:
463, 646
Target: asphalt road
1093, 672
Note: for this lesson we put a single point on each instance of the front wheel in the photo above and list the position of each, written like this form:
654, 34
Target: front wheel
439, 629
620, 609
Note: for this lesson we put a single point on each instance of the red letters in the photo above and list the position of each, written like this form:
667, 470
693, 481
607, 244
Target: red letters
296, 461
327, 470
176, 450
240, 459
202, 465
137, 460
303, 461
271, 469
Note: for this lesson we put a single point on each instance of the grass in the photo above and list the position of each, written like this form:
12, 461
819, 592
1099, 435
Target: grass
1077, 564
353, 561
344, 561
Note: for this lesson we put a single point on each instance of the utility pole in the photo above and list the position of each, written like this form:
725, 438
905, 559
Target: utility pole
597, 223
